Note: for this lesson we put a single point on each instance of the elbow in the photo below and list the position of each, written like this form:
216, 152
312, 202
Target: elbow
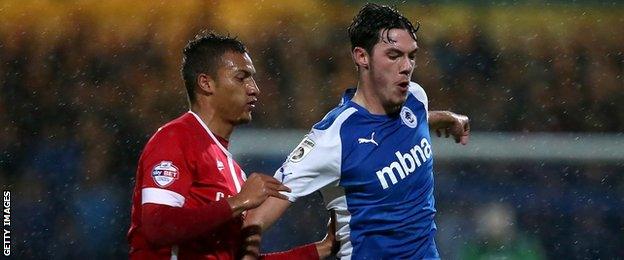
154, 226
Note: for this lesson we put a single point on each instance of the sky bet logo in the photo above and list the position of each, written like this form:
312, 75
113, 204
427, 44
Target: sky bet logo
405, 164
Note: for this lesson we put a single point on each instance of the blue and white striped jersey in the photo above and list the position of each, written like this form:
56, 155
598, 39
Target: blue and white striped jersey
376, 172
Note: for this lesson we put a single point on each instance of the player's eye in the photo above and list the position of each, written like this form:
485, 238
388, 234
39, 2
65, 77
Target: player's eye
393, 54
241, 77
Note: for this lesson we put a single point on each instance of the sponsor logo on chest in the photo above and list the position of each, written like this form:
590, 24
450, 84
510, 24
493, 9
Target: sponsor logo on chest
405, 164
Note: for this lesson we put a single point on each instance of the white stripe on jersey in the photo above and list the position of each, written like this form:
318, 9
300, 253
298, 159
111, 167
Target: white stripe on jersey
321, 166
420, 94
162, 197
334, 199
233, 172
174, 252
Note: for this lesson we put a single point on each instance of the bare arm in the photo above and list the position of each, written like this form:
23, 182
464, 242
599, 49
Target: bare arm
266, 214
256, 190
451, 124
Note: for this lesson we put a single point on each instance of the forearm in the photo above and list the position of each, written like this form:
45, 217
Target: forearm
265, 215
439, 119
166, 225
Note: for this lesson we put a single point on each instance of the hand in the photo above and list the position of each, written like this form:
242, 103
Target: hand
451, 124
251, 242
249, 257
256, 190
329, 245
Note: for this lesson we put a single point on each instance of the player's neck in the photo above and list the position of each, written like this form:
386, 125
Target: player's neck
365, 97
217, 125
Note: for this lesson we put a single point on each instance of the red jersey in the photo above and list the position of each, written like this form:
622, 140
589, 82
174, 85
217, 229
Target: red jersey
185, 165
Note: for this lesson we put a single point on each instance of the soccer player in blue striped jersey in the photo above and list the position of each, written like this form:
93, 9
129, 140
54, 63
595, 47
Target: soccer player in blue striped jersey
371, 157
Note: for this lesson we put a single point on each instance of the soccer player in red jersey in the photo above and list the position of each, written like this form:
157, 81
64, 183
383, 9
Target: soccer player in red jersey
190, 195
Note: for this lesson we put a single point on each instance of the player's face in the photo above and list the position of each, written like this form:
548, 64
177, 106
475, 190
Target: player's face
236, 93
392, 63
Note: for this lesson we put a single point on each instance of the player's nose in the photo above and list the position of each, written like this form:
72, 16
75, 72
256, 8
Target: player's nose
253, 89
407, 67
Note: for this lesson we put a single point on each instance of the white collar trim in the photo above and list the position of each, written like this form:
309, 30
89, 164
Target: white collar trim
201, 122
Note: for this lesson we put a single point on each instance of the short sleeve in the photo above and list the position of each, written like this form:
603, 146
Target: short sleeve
420, 94
312, 165
166, 178
316, 162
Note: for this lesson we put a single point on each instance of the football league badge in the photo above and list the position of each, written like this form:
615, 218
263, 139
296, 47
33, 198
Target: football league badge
164, 173
302, 150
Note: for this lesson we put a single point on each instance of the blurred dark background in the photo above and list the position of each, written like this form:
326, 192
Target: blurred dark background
85, 84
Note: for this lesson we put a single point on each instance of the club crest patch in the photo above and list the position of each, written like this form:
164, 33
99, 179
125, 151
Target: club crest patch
302, 150
408, 117
165, 173
220, 165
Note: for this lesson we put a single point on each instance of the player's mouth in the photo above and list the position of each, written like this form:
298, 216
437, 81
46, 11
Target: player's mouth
403, 86
252, 104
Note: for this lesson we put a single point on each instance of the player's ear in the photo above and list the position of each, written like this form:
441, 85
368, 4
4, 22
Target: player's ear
206, 84
360, 57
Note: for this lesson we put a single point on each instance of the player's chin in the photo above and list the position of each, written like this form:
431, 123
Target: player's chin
399, 98
245, 118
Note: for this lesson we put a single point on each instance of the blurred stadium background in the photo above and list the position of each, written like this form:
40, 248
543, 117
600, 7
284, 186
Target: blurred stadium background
86, 83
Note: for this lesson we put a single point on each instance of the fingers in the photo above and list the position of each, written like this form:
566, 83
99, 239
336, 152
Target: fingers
283, 187
273, 190
248, 255
466, 133
332, 232
277, 187
275, 184
251, 242
331, 225
459, 128
464, 139
278, 195
258, 188
270, 182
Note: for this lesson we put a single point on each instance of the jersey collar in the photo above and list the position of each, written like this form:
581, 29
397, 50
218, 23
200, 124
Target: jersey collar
214, 138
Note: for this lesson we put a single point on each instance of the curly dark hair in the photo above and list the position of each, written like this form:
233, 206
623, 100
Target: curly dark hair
374, 20
202, 54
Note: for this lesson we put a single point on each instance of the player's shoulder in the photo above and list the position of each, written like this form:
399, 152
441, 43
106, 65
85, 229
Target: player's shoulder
335, 118
174, 131
417, 91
